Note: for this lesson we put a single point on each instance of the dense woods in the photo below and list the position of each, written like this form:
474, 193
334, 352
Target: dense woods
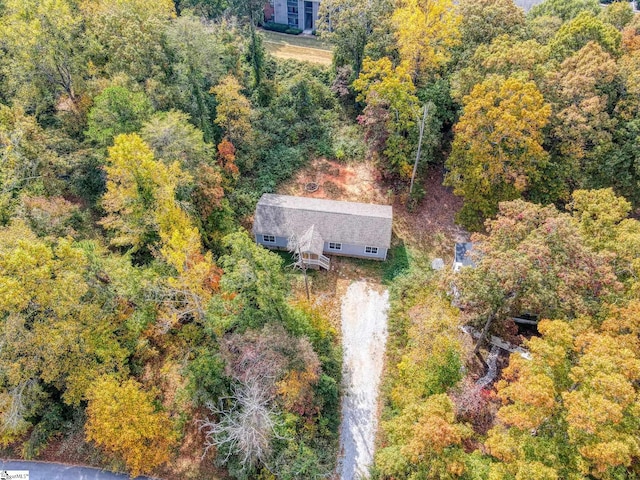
143, 328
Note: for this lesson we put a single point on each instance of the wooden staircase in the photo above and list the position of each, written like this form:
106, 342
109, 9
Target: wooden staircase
321, 261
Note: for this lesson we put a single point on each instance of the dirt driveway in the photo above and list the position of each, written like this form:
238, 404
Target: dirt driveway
364, 335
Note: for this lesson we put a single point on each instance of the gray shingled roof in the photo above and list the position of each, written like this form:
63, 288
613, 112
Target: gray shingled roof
350, 223
311, 241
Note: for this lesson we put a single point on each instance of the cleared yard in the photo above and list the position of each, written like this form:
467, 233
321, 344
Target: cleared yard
297, 47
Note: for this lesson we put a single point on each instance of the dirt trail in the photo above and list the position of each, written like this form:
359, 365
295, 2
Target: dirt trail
364, 335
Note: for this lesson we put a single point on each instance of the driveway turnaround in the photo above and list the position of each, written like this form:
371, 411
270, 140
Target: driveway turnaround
58, 471
364, 336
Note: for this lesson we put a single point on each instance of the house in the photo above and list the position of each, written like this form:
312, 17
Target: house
302, 14
322, 227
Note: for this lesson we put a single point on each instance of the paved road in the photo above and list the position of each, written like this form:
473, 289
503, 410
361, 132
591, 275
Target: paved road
57, 471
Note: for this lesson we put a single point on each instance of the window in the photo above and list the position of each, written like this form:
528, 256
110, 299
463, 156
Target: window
268, 239
371, 250
335, 246
292, 13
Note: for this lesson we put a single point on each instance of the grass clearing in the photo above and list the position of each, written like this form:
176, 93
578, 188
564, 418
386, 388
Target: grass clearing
297, 47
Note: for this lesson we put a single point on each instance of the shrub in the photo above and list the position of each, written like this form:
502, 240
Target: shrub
281, 28
207, 380
275, 27
348, 143
52, 423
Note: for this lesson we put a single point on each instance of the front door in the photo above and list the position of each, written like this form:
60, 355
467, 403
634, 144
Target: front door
308, 15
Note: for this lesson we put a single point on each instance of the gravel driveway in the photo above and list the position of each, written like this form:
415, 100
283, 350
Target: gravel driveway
364, 335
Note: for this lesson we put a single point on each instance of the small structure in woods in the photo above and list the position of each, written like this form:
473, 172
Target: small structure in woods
462, 257
322, 227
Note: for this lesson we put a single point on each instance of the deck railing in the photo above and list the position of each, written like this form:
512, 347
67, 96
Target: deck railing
321, 261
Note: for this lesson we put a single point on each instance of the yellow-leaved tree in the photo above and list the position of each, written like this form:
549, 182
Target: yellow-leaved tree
390, 116
123, 420
233, 112
135, 180
497, 151
426, 31
56, 329
143, 211
423, 436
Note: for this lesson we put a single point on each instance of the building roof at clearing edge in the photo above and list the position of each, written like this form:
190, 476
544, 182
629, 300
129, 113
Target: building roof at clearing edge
351, 223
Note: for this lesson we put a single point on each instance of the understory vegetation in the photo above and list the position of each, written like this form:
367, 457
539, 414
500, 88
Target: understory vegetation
142, 329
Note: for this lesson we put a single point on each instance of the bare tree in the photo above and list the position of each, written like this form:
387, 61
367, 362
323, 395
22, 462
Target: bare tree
15, 406
425, 112
246, 429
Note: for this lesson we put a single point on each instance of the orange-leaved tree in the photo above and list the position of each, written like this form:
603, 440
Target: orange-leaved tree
571, 410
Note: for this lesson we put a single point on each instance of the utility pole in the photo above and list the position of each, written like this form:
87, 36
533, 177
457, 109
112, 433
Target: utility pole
415, 165
303, 266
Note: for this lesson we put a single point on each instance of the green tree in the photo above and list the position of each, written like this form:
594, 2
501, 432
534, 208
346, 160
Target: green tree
485, 20
543, 29
616, 164
198, 63
497, 151
43, 41
603, 221
584, 28
348, 26
564, 9
115, 111
252, 11
618, 14
506, 56
204, 8
252, 284
129, 36
391, 112
173, 139
29, 163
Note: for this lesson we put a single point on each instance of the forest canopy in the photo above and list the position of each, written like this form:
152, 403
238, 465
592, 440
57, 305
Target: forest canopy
142, 326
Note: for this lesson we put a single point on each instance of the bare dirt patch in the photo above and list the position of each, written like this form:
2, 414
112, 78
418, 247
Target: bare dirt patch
354, 182
428, 228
